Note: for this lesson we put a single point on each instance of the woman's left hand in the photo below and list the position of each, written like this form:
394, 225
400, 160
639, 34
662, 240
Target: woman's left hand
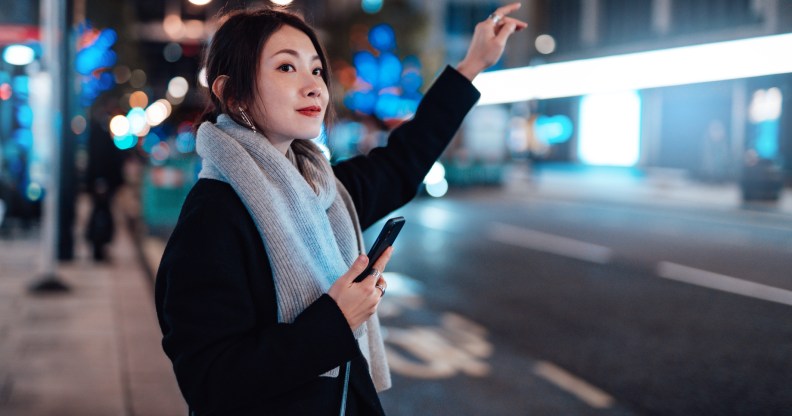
489, 41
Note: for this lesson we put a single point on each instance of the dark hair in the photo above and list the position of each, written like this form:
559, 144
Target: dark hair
235, 50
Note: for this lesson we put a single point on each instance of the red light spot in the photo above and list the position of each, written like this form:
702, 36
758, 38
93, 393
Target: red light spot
5, 91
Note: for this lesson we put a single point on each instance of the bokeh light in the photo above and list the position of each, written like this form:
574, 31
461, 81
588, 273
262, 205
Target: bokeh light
119, 125
34, 191
178, 87
371, 6
125, 142
390, 69
122, 74
437, 189
194, 29
138, 79
151, 140
185, 142
19, 55
157, 112
78, 124
436, 174
5, 91
545, 44
160, 152
138, 99
172, 52
173, 26
382, 37
137, 121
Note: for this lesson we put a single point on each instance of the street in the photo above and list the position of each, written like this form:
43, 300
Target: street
505, 304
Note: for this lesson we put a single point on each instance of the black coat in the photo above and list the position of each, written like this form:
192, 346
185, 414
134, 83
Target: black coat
215, 295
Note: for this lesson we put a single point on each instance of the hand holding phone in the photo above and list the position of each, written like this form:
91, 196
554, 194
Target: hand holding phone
385, 239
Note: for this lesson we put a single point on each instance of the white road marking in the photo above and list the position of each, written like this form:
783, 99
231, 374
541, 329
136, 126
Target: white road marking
589, 394
723, 283
457, 345
550, 243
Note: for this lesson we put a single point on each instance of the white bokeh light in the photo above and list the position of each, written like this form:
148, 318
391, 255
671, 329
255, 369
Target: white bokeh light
119, 125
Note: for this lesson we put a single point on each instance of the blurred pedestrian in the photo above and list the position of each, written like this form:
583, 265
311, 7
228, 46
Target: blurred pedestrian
255, 293
104, 176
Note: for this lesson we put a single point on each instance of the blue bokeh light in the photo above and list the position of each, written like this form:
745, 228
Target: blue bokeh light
553, 130
386, 87
125, 142
21, 86
390, 69
366, 66
382, 37
23, 138
97, 55
151, 140
371, 6
25, 115
185, 142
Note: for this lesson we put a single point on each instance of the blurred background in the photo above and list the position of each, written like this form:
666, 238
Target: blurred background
609, 232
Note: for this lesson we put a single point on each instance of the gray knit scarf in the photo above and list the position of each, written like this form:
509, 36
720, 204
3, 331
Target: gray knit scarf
304, 215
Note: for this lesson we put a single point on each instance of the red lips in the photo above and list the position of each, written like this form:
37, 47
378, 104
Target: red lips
315, 108
312, 111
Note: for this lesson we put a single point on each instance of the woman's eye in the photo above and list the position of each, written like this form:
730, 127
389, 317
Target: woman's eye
318, 71
285, 68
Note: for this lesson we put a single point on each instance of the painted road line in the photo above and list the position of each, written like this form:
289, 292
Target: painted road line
550, 243
723, 283
589, 394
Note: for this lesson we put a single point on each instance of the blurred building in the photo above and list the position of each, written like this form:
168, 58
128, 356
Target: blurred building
719, 130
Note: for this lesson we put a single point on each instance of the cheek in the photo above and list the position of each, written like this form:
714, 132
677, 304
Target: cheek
325, 97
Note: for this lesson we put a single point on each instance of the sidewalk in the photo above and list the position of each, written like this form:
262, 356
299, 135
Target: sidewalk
92, 351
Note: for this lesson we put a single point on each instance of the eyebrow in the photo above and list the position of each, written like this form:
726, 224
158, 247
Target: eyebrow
293, 53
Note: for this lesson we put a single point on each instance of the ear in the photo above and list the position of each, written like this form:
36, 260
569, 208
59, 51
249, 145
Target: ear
218, 85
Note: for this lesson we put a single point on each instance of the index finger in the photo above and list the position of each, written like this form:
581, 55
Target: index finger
504, 10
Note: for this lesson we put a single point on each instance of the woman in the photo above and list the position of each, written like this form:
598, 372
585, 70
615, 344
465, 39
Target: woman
254, 293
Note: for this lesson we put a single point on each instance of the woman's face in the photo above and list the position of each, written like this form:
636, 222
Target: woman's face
291, 96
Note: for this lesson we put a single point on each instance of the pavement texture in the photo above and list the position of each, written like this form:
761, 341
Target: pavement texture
94, 350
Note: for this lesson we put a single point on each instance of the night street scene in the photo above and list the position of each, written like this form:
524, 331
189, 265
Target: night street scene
608, 232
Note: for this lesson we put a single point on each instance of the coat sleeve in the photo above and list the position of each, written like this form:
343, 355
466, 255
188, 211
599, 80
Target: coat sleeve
389, 177
222, 354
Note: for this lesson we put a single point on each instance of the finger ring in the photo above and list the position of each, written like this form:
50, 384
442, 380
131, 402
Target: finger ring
495, 18
381, 288
375, 272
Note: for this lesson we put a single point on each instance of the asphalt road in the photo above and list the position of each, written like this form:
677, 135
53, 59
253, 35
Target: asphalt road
504, 304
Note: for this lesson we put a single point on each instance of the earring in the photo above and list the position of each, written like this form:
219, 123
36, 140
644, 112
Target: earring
247, 120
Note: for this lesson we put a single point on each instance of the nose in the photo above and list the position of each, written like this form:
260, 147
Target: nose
315, 92
313, 87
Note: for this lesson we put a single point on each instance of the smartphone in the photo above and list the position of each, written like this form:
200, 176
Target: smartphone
385, 239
